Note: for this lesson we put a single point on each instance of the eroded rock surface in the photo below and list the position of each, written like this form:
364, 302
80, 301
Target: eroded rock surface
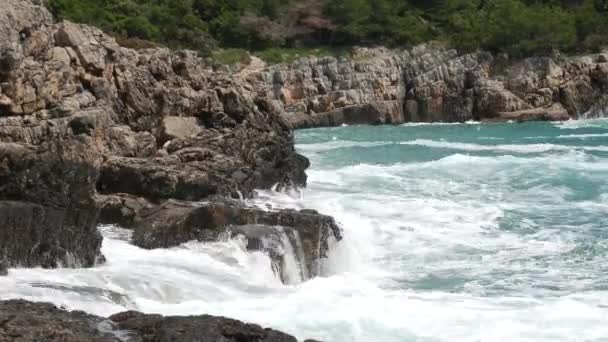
86, 124
427, 84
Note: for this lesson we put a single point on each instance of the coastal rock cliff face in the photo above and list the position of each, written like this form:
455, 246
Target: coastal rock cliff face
427, 84
93, 132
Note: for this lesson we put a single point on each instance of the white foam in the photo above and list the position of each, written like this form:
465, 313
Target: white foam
522, 148
577, 124
418, 124
337, 144
462, 248
583, 136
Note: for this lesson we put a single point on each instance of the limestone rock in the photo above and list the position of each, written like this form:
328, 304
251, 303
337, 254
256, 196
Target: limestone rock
179, 127
429, 84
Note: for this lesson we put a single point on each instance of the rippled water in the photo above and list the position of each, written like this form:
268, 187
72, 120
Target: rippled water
463, 232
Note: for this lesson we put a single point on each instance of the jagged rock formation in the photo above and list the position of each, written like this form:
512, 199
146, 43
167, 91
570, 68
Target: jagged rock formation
22, 321
88, 126
302, 235
433, 84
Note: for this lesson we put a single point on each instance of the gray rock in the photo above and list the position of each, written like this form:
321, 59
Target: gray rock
179, 127
429, 84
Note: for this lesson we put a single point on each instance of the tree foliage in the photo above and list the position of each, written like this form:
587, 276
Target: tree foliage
518, 27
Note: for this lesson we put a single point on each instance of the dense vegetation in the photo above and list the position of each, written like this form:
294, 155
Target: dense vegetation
518, 27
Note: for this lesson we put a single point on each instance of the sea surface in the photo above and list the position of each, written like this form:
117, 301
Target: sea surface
453, 232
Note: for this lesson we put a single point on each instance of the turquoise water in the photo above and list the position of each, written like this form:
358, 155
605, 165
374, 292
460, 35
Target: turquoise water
464, 232
506, 225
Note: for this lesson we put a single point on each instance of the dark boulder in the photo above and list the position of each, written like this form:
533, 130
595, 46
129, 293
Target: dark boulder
3, 267
60, 173
35, 235
121, 209
151, 328
22, 321
307, 233
47, 211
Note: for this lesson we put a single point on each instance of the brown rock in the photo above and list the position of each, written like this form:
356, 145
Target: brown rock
173, 223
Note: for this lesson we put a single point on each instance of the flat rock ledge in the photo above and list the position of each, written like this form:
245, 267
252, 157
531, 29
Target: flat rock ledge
22, 321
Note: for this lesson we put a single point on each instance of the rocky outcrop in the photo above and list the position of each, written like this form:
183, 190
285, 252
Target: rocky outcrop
22, 321
89, 126
330, 91
426, 84
299, 239
37, 235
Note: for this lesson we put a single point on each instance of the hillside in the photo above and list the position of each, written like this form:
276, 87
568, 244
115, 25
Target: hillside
517, 27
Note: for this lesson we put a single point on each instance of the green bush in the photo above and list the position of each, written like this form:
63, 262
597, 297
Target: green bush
289, 55
278, 31
231, 56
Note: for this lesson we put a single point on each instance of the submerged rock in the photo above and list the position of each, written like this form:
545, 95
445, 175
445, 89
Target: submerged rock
292, 238
22, 321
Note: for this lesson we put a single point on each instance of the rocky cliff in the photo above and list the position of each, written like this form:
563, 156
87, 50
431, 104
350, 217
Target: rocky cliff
92, 132
429, 84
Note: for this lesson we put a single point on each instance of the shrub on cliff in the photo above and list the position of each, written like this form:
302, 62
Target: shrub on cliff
519, 27
170, 22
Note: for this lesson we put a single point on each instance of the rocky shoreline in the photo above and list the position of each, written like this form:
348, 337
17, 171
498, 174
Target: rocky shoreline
158, 142
151, 140
434, 84
22, 321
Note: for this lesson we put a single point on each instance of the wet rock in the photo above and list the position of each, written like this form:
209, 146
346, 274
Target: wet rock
155, 178
22, 321
34, 235
121, 209
307, 232
3, 267
59, 174
284, 247
195, 328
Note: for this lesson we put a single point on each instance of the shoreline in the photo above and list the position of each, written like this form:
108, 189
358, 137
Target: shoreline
94, 133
